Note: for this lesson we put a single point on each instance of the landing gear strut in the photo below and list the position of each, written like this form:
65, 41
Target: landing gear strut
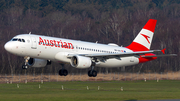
92, 72
63, 72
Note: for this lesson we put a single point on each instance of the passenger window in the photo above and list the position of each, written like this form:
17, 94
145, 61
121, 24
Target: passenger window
19, 40
23, 40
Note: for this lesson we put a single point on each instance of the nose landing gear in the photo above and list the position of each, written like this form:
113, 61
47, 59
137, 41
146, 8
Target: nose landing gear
25, 66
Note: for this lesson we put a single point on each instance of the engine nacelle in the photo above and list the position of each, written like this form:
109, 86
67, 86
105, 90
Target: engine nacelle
34, 62
81, 62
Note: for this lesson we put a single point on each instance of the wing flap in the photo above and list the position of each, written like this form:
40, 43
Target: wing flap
159, 55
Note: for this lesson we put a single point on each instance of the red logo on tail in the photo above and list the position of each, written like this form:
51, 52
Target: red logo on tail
146, 37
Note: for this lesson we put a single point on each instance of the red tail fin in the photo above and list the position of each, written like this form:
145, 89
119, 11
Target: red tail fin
143, 40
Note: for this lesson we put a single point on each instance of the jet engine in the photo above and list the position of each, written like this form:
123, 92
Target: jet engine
34, 62
81, 62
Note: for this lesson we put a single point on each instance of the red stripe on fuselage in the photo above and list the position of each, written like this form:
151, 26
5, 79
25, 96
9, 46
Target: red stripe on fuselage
138, 47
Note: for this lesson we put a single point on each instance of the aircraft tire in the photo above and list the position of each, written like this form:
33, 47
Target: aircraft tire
24, 66
60, 72
65, 72
89, 73
94, 73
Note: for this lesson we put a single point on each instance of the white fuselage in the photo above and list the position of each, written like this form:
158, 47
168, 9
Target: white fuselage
51, 48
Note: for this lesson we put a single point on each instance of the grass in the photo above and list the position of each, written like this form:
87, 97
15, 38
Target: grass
84, 77
77, 91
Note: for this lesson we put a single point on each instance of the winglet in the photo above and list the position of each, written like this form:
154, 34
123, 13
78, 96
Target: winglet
163, 50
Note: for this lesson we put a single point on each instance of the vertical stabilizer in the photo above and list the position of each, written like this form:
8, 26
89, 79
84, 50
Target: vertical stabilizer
143, 40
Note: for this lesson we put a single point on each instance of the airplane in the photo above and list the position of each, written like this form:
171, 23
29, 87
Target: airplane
39, 51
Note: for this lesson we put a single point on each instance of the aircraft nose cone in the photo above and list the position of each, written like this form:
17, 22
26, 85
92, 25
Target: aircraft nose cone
8, 47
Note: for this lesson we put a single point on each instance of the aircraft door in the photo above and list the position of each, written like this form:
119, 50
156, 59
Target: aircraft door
33, 43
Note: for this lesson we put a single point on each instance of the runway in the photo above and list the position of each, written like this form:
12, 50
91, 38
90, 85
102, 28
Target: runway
157, 100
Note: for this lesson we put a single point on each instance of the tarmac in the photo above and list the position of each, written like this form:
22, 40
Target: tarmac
156, 100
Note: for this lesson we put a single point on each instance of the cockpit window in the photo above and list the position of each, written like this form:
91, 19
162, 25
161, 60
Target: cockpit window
14, 39
18, 39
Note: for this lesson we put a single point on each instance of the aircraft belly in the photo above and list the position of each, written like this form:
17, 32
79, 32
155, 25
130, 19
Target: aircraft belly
127, 61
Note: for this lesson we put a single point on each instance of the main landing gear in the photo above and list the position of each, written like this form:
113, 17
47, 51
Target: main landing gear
92, 72
63, 72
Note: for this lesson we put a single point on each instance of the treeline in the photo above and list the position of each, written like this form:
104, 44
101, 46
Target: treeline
105, 21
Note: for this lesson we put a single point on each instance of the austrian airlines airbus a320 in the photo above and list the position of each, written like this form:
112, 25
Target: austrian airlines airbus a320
39, 51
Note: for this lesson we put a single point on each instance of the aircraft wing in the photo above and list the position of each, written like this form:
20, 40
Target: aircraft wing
114, 55
104, 56
119, 54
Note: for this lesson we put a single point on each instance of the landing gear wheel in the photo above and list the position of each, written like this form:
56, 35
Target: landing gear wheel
63, 72
89, 73
26, 59
24, 67
92, 73
60, 72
